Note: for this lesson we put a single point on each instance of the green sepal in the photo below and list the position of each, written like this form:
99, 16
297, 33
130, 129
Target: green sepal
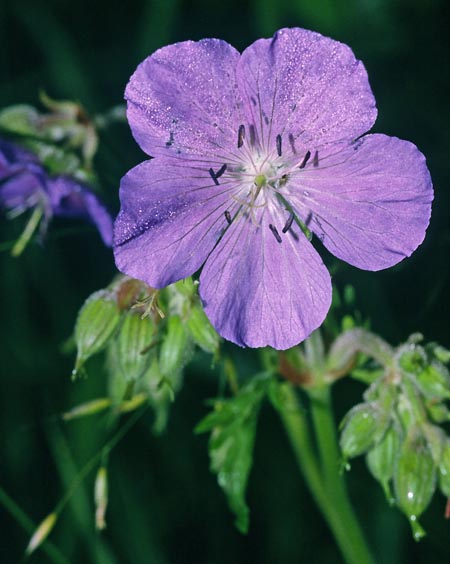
414, 478
444, 469
175, 350
202, 332
96, 323
362, 427
382, 458
133, 345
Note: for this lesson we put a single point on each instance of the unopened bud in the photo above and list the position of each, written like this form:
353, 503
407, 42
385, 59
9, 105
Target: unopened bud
134, 345
363, 426
89, 408
41, 533
381, 460
201, 330
101, 497
434, 381
174, 349
96, 323
444, 469
414, 478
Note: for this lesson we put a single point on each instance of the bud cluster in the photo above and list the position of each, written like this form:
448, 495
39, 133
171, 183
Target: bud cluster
148, 335
396, 427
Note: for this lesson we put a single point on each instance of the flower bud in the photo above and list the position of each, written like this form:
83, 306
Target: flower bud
101, 497
96, 323
434, 381
363, 426
414, 478
41, 533
133, 347
381, 459
444, 469
201, 330
87, 408
174, 349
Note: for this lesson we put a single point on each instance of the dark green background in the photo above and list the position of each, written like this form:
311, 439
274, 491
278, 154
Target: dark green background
165, 506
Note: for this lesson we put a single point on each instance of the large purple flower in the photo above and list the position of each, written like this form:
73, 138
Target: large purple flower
253, 152
24, 185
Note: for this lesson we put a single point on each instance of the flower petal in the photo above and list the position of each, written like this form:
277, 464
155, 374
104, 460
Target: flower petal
369, 203
172, 214
69, 198
307, 88
259, 292
184, 98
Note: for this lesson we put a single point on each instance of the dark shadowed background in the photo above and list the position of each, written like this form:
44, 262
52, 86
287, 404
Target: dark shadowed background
165, 506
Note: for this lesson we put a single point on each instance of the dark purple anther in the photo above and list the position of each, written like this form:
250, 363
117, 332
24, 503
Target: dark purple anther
305, 159
241, 136
213, 176
278, 141
275, 232
288, 223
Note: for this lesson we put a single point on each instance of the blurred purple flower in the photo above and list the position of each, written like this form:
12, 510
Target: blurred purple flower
254, 152
24, 185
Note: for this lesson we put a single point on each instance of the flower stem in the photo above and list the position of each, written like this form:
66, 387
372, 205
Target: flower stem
323, 478
28, 232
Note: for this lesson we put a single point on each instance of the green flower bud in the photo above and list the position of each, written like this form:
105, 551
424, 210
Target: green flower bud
96, 323
444, 469
438, 412
412, 358
134, 345
436, 441
434, 381
381, 460
201, 330
88, 408
414, 478
175, 349
363, 426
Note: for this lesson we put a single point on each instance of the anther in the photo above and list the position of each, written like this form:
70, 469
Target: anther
228, 217
305, 159
213, 176
275, 232
241, 136
278, 141
221, 170
288, 223
252, 135
316, 159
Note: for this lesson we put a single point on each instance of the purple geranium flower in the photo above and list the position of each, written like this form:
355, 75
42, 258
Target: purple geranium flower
253, 152
24, 185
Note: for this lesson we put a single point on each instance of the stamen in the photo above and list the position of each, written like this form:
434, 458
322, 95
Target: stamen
288, 223
275, 232
316, 159
305, 159
278, 140
221, 170
252, 135
292, 143
213, 176
228, 217
241, 136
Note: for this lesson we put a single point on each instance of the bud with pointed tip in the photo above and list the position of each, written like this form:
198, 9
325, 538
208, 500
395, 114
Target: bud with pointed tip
96, 324
414, 478
363, 426
381, 459
41, 533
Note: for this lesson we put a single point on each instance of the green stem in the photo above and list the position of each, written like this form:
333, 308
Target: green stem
323, 479
27, 233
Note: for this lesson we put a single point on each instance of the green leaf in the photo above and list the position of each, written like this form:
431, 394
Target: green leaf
233, 427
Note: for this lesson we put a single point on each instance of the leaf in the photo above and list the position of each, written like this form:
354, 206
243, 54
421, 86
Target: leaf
233, 428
